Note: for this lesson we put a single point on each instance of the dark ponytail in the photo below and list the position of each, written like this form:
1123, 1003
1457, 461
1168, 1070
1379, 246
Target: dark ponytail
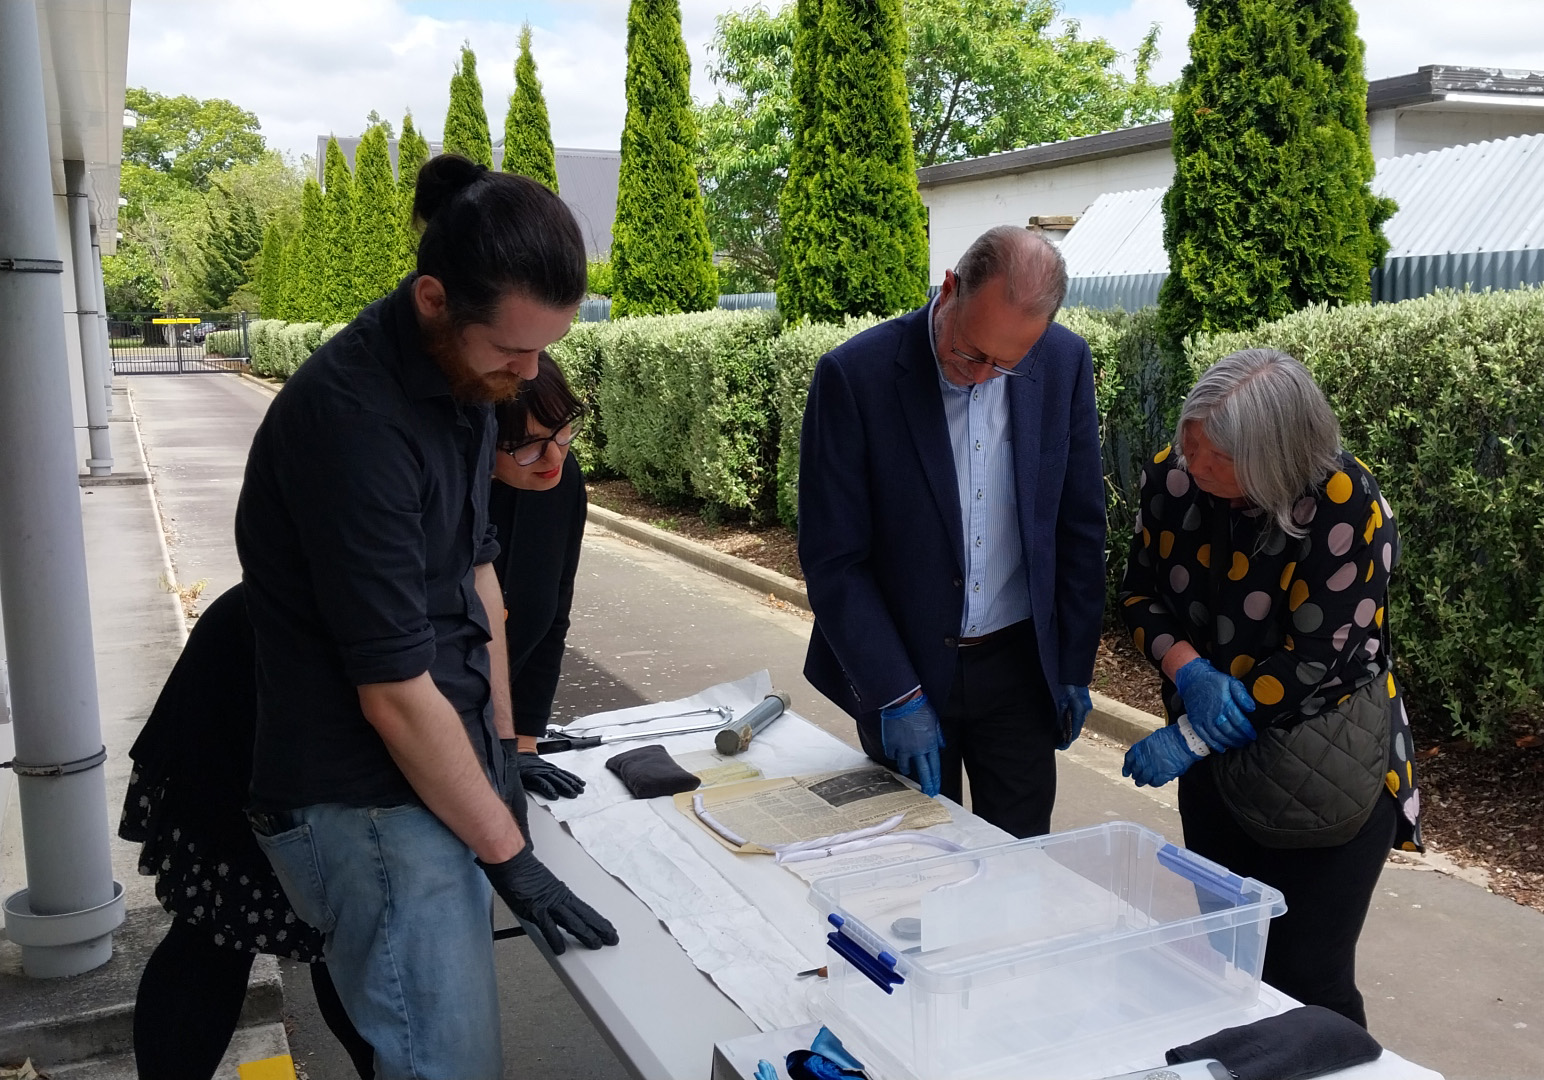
487, 233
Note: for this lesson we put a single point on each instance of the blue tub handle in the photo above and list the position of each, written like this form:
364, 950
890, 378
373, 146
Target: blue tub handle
879, 970
1211, 877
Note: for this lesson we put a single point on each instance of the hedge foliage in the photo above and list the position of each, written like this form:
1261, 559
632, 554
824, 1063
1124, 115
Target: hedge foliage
223, 343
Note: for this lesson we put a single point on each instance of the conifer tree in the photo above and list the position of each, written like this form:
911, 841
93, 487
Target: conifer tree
859, 242
337, 298
232, 239
376, 221
304, 257
661, 256
527, 131
412, 152
466, 123
271, 274
1270, 208
794, 199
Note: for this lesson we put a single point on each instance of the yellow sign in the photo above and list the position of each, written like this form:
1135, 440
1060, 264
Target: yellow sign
274, 1068
163, 322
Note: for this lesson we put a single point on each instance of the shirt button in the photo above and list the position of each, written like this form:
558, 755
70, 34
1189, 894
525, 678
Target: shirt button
979, 493
978, 444
976, 587
972, 628
978, 541
975, 395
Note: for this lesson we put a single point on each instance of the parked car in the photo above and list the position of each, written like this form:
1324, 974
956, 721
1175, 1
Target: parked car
195, 334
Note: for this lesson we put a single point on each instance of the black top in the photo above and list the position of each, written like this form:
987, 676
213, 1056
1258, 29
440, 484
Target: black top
363, 513
539, 538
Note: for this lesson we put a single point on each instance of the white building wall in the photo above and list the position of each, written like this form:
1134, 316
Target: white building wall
1432, 127
1382, 127
960, 212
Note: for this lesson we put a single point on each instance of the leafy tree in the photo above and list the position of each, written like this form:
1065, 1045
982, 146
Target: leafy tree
377, 221
466, 123
156, 267
338, 301
1270, 208
231, 241
306, 256
188, 138
661, 257
857, 240
271, 273
375, 120
598, 277
527, 131
412, 152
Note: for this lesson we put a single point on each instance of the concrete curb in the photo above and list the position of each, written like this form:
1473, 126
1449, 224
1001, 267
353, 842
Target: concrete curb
259, 381
1112, 719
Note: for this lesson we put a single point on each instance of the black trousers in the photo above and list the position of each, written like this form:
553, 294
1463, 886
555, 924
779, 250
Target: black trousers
999, 724
1310, 952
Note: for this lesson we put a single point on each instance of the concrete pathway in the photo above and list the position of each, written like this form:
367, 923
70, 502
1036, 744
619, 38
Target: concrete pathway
1453, 975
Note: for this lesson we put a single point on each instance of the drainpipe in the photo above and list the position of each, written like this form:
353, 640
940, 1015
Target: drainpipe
100, 463
102, 329
64, 919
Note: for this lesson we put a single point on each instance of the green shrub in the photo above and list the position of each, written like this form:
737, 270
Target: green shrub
687, 408
263, 339
580, 354
1441, 397
292, 344
223, 343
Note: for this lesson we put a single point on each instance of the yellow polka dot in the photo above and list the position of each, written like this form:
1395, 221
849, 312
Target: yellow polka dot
1378, 618
1298, 595
1339, 488
1204, 556
1147, 539
1268, 691
1240, 567
1409, 774
1343, 699
1407, 846
1369, 571
1130, 600
1138, 638
1392, 781
1162, 455
1362, 463
1240, 666
1286, 574
1374, 523
1290, 643
1165, 544
1392, 690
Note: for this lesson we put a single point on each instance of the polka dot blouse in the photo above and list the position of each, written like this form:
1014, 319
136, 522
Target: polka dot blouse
1298, 621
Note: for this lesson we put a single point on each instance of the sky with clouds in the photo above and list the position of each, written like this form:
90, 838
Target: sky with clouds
309, 67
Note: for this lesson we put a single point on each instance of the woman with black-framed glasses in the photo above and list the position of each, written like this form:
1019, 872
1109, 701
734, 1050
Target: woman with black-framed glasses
538, 506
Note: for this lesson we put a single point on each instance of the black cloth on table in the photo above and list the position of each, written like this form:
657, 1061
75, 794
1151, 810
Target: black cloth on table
1294, 1045
649, 772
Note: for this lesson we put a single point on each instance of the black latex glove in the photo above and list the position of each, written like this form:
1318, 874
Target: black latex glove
514, 789
535, 894
546, 779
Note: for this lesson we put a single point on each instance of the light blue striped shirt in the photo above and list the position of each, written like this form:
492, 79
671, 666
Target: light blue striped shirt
980, 433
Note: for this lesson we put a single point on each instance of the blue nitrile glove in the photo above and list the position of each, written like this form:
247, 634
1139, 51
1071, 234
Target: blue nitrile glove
912, 738
1216, 704
1072, 707
765, 1070
1159, 758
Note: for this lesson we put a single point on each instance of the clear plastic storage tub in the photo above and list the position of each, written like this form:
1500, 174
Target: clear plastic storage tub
1040, 957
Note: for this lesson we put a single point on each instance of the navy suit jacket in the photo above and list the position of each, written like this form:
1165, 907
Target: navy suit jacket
880, 535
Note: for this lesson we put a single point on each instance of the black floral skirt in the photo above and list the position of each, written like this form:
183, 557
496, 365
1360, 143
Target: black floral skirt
214, 876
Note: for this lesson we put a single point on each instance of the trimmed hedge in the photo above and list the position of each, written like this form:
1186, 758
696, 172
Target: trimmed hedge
1441, 397
223, 343
579, 354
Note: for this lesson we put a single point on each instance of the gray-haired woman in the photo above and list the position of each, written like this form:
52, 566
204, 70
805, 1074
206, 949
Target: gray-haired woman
1257, 583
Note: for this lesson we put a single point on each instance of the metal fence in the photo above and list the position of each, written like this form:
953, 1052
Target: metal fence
191, 343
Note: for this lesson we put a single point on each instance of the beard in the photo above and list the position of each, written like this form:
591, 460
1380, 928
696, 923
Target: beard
442, 342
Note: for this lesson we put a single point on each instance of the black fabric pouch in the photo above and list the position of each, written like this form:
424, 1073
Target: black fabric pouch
1298, 1044
649, 772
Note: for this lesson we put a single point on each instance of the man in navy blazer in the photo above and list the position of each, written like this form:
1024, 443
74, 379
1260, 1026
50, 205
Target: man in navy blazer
952, 528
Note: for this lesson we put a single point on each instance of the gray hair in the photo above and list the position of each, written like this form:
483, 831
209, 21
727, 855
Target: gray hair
1033, 271
1262, 408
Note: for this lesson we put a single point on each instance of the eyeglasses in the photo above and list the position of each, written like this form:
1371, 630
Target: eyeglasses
530, 451
994, 365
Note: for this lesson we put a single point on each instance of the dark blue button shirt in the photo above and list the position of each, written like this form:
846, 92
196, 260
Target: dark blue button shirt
363, 513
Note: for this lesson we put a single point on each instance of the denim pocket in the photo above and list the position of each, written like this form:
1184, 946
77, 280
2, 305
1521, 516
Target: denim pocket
292, 854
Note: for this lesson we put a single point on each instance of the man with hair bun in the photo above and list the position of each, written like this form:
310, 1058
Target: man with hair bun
385, 790
951, 531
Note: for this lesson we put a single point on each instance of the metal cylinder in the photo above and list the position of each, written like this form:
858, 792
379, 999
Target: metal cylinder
67, 910
100, 463
102, 327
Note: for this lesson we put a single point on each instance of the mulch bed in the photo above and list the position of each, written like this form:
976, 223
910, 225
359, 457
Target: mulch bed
1480, 808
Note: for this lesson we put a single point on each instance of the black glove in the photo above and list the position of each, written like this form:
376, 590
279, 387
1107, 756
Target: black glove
544, 778
534, 894
514, 789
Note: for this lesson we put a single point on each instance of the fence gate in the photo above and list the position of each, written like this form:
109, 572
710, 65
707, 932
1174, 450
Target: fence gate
155, 343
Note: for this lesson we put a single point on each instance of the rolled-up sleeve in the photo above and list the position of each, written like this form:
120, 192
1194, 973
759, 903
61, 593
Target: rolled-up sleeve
354, 493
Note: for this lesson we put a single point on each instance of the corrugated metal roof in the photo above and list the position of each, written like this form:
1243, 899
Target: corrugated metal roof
1468, 215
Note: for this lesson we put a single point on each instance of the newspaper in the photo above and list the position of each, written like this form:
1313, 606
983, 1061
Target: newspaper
770, 813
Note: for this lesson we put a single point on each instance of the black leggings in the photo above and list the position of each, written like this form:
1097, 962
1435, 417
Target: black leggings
190, 1001
1310, 952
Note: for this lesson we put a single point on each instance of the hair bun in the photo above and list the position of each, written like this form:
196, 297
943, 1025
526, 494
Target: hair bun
441, 179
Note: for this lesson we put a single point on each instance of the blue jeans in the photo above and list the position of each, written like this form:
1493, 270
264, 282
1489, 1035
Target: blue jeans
405, 916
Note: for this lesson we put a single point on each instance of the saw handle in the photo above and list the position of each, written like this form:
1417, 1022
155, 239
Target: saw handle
557, 745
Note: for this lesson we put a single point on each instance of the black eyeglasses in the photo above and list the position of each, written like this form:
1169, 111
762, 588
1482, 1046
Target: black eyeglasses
530, 451
993, 364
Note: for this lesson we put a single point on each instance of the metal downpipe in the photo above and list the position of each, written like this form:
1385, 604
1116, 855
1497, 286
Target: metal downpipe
100, 463
102, 328
64, 919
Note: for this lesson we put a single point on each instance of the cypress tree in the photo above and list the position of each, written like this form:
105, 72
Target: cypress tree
412, 152
860, 242
527, 131
271, 276
377, 239
337, 299
303, 258
661, 256
233, 238
1270, 208
794, 199
466, 124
